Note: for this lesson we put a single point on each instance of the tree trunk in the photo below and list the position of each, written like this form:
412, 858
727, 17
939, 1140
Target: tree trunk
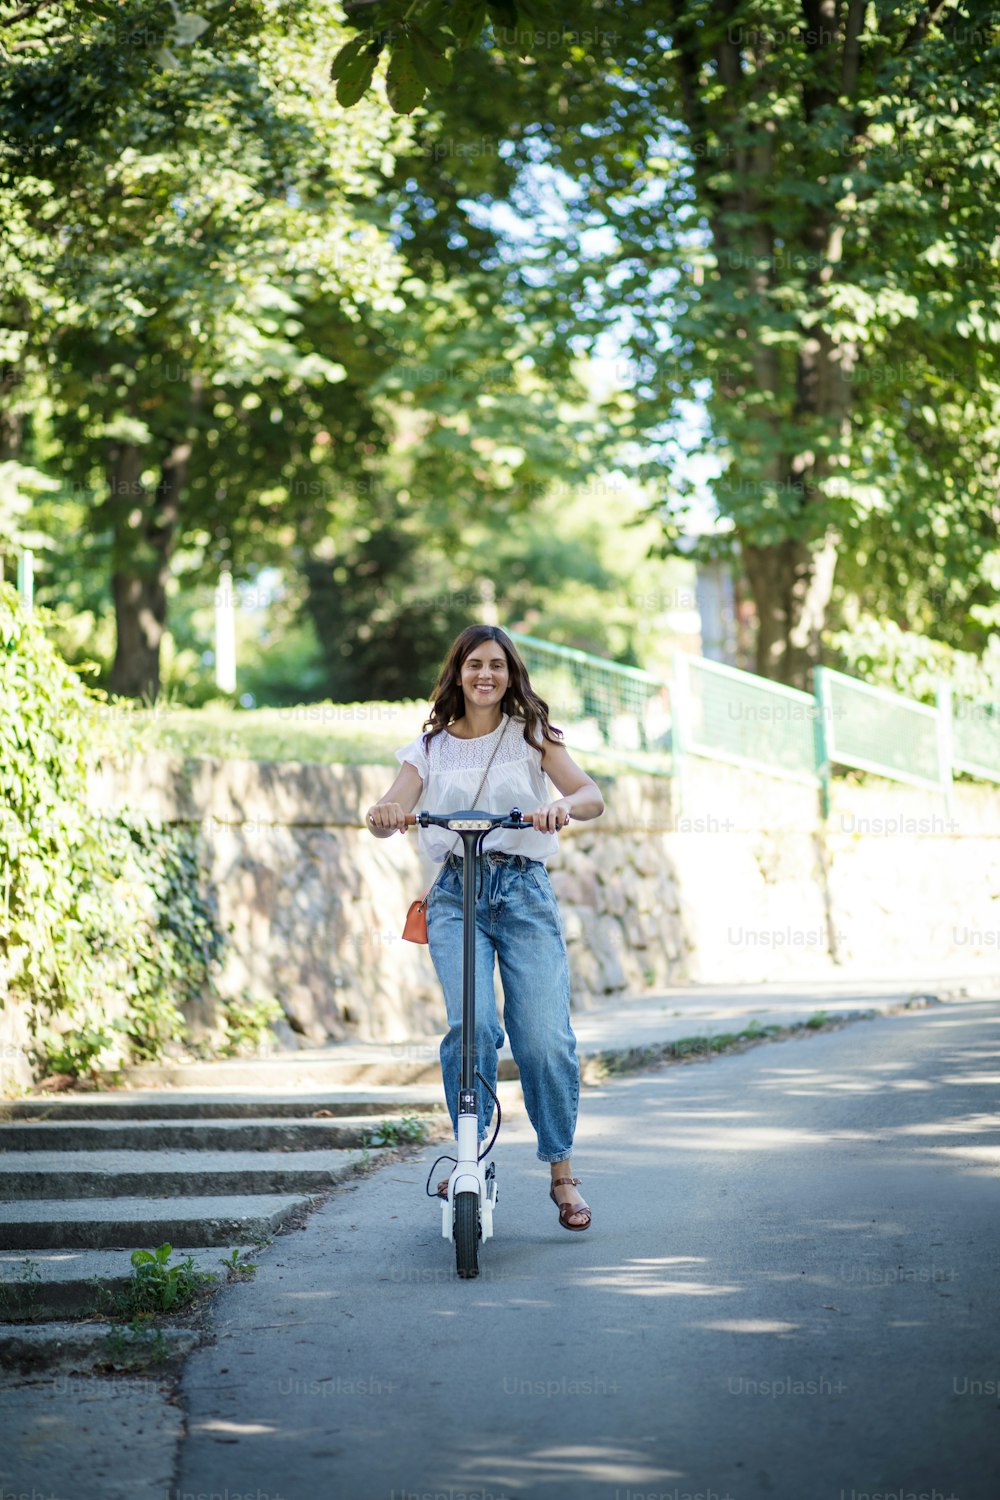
807, 387
145, 533
10, 419
791, 585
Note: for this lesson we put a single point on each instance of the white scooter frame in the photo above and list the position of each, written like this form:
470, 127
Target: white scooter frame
469, 1176
467, 1214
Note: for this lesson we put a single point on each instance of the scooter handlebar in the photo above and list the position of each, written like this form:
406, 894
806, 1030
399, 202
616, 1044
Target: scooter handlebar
513, 819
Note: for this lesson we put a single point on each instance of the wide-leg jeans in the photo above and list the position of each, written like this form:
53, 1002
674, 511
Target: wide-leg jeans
519, 924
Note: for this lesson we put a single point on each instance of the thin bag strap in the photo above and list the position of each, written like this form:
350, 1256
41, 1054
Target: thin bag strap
475, 799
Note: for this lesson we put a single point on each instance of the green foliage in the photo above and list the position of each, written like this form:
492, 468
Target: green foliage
19, 484
410, 1130
206, 249
105, 932
387, 607
934, 571
245, 1024
238, 1267
422, 38
323, 732
788, 219
19, 1292
878, 651
58, 862
222, 259
689, 1048
156, 1286
135, 1345
196, 240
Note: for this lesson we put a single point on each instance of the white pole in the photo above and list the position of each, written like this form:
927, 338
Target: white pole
26, 577
488, 602
946, 749
225, 634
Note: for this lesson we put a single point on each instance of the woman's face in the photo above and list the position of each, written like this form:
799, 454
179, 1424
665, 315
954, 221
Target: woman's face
485, 675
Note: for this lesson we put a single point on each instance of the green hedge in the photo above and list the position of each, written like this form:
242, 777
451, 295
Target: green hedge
105, 932
879, 652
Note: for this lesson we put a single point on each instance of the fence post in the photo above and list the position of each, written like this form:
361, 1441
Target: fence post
225, 634
26, 577
678, 727
943, 700
821, 740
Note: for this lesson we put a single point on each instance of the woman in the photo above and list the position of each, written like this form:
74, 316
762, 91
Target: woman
486, 719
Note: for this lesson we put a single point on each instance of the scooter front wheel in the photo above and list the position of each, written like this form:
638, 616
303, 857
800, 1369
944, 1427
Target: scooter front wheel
467, 1234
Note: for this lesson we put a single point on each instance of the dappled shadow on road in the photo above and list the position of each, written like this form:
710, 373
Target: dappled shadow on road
788, 1244
875, 1100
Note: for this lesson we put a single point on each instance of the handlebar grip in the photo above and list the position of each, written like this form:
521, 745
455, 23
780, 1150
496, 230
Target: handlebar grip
410, 819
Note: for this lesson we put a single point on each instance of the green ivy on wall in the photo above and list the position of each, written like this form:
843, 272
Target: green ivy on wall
105, 930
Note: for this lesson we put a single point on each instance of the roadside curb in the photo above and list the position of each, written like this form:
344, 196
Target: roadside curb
78, 1348
614, 1062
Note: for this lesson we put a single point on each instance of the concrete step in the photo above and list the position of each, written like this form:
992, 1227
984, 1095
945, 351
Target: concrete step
284, 1102
44, 1284
247, 1133
143, 1223
76, 1347
33, 1176
416, 1063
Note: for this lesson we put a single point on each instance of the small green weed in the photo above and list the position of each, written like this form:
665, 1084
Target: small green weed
135, 1344
609, 1064
238, 1269
18, 1294
817, 1019
409, 1130
158, 1287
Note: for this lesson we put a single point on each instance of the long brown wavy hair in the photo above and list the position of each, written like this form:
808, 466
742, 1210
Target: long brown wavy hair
520, 701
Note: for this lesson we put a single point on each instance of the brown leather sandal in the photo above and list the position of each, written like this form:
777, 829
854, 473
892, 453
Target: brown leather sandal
442, 1188
569, 1211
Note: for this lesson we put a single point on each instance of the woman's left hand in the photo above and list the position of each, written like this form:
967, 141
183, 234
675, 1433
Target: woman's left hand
550, 817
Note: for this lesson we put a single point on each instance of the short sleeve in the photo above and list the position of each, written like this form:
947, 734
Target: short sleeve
416, 755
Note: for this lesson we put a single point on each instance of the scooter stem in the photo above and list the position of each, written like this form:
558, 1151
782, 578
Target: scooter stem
470, 873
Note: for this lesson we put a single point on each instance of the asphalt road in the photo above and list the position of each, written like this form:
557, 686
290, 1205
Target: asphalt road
789, 1290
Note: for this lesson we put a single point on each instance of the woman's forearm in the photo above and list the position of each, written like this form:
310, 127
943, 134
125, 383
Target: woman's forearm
586, 802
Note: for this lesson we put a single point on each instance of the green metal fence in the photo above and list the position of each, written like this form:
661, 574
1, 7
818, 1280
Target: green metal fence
975, 738
721, 713
876, 730
724, 714
611, 710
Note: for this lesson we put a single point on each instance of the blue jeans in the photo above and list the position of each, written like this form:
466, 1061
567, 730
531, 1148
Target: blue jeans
518, 922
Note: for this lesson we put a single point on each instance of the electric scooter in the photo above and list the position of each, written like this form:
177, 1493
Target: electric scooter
467, 1215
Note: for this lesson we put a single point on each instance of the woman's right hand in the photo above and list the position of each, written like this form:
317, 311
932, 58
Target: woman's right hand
386, 818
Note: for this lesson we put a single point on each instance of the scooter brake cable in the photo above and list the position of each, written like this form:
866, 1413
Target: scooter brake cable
484, 1154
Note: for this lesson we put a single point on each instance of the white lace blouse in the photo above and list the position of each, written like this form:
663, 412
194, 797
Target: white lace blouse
452, 769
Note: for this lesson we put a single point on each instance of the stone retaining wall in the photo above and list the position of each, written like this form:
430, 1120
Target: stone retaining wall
731, 877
